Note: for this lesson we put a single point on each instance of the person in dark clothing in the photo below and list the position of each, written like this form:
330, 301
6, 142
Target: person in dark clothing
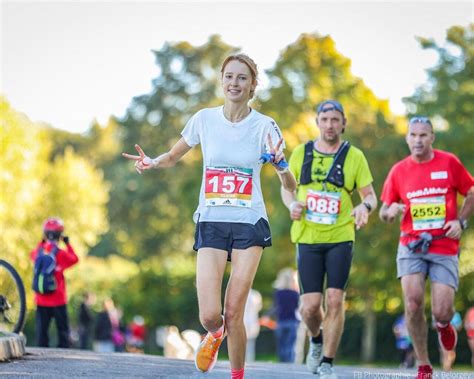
286, 300
103, 330
85, 320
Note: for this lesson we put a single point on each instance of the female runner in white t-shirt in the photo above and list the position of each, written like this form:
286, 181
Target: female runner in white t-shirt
232, 223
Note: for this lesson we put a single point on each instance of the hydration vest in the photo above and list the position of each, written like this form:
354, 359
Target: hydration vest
335, 174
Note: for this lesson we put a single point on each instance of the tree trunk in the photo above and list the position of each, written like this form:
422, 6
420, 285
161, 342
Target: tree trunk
369, 332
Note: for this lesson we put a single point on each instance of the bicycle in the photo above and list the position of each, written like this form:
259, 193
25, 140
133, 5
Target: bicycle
12, 299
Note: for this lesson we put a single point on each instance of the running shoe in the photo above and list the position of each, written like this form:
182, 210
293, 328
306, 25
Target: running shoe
326, 371
425, 372
315, 354
206, 353
448, 337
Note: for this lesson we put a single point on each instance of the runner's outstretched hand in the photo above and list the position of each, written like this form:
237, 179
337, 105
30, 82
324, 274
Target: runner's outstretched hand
142, 161
276, 153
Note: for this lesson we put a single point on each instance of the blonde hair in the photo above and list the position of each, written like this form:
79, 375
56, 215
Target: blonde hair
285, 279
249, 62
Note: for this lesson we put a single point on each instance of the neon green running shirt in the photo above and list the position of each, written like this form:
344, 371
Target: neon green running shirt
327, 217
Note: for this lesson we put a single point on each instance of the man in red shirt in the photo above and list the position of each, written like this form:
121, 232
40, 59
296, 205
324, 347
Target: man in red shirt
53, 304
423, 187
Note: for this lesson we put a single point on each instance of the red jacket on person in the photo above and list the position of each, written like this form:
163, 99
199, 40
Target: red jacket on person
64, 259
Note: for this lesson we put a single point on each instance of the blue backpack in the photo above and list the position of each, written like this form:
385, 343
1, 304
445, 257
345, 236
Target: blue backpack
44, 281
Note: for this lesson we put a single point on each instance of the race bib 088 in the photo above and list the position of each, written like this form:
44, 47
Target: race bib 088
323, 207
228, 186
428, 212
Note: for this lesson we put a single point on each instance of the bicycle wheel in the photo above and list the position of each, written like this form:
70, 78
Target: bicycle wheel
12, 299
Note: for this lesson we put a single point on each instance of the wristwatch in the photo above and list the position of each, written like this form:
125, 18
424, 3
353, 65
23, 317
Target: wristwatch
464, 224
367, 205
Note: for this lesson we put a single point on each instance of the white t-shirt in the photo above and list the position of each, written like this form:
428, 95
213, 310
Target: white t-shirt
230, 188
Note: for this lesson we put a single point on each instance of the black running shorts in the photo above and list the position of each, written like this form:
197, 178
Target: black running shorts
232, 235
317, 261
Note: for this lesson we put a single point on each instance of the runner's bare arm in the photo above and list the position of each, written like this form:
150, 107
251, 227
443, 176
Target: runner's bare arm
169, 159
289, 199
361, 212
172, 157
287, 180
454, 228
467, 208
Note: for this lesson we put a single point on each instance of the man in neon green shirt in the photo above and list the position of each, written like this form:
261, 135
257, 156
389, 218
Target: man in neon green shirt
327, 170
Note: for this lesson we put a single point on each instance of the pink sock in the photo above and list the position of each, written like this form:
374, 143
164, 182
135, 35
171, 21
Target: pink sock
218, 333
237, 373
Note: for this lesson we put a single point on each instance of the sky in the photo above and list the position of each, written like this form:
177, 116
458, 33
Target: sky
68, 63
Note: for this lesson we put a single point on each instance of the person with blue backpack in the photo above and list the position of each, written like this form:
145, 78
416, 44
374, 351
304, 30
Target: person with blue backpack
49, 283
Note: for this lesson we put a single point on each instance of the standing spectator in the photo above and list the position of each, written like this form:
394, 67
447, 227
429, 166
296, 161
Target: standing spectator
118, 329
103, 329
286, 299
85, 320
137, 334
424, 189
252, 323
49, 282
403, 342
469, 327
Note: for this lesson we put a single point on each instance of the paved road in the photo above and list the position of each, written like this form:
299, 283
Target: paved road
58, 363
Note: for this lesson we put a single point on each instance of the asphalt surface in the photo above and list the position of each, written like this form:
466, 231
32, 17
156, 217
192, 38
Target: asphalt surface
60, 363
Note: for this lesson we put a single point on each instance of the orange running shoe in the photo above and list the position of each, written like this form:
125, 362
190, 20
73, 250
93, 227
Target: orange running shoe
206, 353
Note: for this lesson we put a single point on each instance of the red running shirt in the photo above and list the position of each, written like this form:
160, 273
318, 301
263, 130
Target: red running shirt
429, 191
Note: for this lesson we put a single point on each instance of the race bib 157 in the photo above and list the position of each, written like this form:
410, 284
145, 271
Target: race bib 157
228, 186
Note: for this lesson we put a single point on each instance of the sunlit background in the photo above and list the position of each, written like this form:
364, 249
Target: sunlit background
83, 81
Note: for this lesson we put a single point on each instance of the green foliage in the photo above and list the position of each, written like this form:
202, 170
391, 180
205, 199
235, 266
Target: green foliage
448, 96
144, 260
34, 187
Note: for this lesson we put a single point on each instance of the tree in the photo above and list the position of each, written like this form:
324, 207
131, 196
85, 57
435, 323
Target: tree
150, 215
449, 92
34, 187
